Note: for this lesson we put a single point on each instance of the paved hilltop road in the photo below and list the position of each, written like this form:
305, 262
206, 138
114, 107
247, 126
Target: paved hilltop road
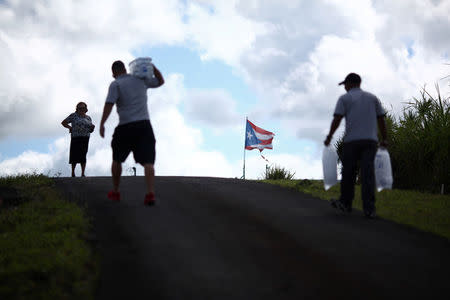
214, 238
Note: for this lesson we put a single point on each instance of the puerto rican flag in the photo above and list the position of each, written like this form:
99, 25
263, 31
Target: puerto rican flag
257, 138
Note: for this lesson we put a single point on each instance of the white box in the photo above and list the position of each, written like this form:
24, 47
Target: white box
142, 67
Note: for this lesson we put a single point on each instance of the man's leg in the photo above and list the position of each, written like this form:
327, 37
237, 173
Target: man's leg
83, 168
144, 153
349, 160
73, 169
368, 178
149, 171
116, 170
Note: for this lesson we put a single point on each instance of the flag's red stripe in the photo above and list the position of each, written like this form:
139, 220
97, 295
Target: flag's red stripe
266, 142
259, 130
255, 147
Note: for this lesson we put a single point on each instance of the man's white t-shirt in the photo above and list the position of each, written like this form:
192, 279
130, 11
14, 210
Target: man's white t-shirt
129, 93
360, 110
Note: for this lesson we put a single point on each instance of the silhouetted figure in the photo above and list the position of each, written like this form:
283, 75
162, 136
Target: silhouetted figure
362, 111
80, 127
134, 132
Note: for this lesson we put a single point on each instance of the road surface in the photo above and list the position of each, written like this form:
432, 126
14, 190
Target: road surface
215, 238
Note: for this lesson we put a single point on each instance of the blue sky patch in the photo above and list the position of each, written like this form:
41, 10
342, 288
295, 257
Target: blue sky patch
11, 147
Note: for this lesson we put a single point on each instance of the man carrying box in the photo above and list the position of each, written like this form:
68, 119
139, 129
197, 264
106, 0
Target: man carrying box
134, 132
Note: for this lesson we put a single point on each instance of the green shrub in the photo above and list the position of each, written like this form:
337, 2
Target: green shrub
276, 172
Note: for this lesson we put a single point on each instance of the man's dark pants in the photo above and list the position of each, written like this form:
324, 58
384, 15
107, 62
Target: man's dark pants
363, 151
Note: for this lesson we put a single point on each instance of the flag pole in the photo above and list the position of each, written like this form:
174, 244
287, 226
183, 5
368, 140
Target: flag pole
245, 138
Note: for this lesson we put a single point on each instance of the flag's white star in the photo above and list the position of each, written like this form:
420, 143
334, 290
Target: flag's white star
249, 135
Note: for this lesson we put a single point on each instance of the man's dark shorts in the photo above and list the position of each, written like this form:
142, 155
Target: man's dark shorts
137, 137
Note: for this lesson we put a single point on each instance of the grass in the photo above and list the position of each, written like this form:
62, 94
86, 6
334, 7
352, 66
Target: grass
427, 212
43, 254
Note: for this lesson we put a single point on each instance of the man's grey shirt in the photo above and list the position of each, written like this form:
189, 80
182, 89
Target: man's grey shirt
361, 110
129, 93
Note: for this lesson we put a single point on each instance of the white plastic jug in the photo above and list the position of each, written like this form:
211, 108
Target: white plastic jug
142, 67
329, 164
383, 170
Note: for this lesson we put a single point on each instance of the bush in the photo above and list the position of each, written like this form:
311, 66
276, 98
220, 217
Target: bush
276, 172
420, 144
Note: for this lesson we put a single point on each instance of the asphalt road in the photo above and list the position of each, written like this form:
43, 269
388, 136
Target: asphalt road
214, 238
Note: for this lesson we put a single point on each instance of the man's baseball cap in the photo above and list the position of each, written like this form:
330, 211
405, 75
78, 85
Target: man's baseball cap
352, 78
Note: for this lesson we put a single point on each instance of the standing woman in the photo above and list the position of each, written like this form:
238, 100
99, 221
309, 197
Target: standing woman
81, 128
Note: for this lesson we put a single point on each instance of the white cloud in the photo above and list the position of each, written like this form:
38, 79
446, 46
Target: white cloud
212, 107
54, 55
31, 161
178, 147
218, 31
26, 162
303, 165
311, 46
292, 53
419, 22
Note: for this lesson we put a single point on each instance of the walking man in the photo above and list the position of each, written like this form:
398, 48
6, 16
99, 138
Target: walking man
134, 132
362, 112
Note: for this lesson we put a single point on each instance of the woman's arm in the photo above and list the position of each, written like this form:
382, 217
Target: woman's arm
91, 125
66, 124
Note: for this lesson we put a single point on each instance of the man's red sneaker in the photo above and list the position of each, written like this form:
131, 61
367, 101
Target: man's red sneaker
114, 196
149, 199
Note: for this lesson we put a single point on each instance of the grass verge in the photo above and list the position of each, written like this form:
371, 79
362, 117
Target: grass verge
427, 212
43, 253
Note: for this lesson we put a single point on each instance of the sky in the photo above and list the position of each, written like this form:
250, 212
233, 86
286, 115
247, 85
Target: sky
277, 62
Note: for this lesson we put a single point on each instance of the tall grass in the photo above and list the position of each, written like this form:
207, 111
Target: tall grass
420, 144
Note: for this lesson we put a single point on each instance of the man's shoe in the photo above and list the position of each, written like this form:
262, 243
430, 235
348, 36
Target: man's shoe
114, 196
371, 215
149, 199
340, 206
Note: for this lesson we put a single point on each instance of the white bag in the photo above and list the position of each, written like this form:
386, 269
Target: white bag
383, 170
142, 67
329, 164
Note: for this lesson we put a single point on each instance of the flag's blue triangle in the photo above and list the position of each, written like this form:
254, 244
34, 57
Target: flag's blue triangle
250, 136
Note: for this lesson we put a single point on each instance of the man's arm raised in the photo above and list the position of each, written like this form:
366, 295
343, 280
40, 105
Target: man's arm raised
158, 75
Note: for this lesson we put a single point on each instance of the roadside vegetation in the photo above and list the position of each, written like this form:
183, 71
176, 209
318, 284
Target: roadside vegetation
420, 144
277, 172
419, 147
424, 211
43, 252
